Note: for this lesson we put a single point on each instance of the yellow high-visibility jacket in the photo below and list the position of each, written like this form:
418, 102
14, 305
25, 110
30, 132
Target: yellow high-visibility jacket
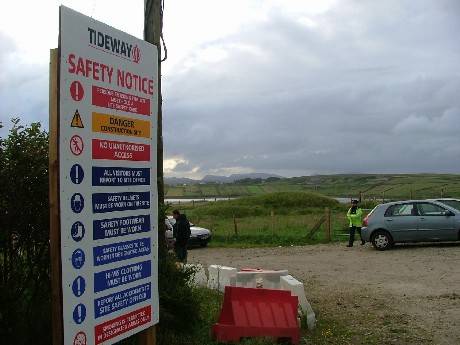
356, 219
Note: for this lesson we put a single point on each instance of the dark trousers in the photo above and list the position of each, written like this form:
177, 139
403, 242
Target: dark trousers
352, 234
181, 253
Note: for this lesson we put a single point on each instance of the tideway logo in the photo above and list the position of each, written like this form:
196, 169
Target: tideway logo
114, 45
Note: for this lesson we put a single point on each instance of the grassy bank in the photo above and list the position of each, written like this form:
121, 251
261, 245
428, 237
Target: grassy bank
275, 219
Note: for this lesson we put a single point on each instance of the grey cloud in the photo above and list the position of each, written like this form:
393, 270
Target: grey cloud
23, 87
374, 88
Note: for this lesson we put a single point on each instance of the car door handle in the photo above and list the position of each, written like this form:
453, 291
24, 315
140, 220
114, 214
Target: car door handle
389, 220
422, 218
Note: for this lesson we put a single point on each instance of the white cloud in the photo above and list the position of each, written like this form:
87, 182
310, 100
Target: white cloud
169, 164
448, 123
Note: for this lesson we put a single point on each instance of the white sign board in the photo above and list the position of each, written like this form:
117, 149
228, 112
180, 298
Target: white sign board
108, 189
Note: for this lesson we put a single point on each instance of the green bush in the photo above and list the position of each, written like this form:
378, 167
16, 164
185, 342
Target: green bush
25, 314
179, 303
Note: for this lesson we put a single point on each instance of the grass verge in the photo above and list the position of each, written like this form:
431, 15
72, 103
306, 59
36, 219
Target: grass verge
342, 320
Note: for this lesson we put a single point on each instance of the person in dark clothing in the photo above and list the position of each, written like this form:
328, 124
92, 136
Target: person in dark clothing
181, 232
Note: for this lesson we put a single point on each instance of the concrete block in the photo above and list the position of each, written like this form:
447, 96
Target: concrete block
297, 289
199, 277
256, 278
220, 277
246, 279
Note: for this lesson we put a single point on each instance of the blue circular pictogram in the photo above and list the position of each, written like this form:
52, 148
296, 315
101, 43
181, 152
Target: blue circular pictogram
79, 286
77, 202
77, 174
79, 313
77, 231
78, 258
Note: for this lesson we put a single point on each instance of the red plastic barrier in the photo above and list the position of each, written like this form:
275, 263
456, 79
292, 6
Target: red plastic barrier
250, 312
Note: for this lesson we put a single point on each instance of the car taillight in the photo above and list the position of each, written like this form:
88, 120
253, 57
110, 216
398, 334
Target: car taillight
366, 221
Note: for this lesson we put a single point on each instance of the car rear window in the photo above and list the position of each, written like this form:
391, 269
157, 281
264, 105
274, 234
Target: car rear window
370, 213
452, 203
428, 209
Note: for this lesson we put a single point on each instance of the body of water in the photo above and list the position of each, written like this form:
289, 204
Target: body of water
181, 200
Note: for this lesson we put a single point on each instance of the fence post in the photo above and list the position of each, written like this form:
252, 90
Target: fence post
272, 214
327, 228
235, 224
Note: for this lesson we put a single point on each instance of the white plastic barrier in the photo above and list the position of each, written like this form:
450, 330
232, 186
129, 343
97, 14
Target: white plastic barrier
199, 278
288, 282
220, 277
259, 278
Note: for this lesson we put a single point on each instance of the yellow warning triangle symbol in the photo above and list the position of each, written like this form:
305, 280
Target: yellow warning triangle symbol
76, 121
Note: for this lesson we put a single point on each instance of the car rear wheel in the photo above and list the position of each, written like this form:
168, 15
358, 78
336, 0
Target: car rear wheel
204, 243
381, 240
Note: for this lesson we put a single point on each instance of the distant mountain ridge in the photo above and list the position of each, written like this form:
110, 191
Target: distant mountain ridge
218, 179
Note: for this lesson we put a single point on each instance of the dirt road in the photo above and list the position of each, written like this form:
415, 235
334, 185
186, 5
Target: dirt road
413, 289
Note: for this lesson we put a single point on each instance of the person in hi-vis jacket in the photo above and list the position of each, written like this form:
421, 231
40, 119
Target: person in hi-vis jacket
355, 217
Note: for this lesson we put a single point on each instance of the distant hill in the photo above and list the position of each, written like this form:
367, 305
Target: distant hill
173, 181
388, 186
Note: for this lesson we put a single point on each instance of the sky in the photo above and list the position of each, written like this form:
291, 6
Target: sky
291, 87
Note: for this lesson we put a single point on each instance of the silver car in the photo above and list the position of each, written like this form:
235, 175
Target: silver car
411, 221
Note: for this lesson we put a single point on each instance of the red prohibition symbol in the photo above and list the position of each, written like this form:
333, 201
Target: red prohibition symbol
76, 91
76, 145
80, 339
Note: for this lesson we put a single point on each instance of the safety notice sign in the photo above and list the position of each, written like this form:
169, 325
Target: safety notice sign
107, 181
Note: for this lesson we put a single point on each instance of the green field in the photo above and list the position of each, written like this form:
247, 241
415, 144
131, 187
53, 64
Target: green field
394, 186
273, 219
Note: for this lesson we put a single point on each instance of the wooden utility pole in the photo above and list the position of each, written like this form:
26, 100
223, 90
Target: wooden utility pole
153, 27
